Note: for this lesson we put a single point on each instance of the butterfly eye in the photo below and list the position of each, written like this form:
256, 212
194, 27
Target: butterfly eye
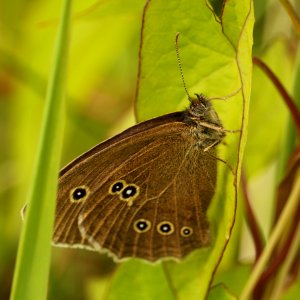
165, 228
79, 194
117, 187
129, 193
141, 225
186, 231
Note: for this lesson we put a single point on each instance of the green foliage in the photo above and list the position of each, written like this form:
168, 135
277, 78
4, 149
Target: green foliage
146, 282
234, 277
220, 292
260, 114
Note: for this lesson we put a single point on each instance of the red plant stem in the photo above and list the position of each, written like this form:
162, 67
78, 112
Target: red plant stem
287, 98
295, 269
251, 219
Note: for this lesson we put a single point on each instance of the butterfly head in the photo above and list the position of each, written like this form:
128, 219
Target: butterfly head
200, 106
202, 113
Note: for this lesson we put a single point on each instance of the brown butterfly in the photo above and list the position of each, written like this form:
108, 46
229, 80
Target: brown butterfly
145, 192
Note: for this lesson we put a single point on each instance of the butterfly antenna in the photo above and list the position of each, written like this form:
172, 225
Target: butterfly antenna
180, 66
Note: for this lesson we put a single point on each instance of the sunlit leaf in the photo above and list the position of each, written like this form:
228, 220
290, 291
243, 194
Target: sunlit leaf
217, 65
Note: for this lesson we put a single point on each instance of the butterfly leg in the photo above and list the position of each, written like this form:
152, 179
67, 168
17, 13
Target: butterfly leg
232, 131
223, 161
215, 143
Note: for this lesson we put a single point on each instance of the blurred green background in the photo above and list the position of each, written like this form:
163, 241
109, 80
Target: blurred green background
101, 87
101, 90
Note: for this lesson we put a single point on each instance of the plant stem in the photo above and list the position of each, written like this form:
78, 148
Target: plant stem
251, 219
281, 278
287, 213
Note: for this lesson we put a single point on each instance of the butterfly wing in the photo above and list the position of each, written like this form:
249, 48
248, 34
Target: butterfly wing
147, 192
93, 166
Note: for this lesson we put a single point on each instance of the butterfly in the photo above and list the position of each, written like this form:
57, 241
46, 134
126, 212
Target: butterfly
145, 192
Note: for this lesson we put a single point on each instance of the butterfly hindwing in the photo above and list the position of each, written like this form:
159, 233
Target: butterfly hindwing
169, 194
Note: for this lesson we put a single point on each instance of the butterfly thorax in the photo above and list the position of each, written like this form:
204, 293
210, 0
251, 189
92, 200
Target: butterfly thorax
208, 129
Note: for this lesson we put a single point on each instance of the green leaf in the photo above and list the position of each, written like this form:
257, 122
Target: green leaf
292, 292
267, 108
34, 253
140, 280
217, 62
234, 277
220, 292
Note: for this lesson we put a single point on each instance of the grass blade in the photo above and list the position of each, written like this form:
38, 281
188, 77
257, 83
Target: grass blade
34, 252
